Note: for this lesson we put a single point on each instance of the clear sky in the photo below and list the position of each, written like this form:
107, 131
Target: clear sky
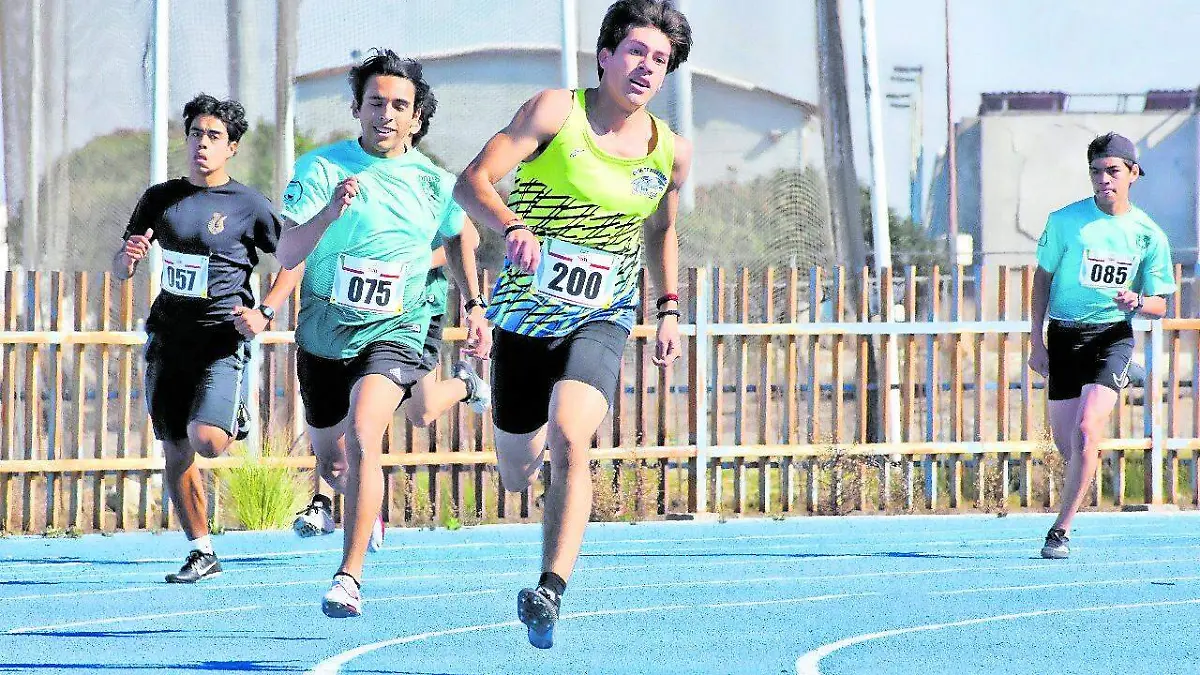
1076, 46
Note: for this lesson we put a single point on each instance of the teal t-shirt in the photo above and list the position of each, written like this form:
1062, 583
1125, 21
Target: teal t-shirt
437, 286
365, 281
1093, 255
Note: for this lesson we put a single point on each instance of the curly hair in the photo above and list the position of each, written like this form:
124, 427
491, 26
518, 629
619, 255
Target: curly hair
230, 112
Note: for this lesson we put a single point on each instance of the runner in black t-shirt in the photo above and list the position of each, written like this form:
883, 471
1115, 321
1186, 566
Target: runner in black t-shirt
197, 350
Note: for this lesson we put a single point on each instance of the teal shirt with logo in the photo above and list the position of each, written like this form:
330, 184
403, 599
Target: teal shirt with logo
1094, 255
402, 205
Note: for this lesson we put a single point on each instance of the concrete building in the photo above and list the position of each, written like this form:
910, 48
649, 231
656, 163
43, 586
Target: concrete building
1024, 156
741, 130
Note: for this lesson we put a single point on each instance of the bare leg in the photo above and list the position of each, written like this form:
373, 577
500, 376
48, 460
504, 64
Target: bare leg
1095, 406
576, 411
431, 398
373, 401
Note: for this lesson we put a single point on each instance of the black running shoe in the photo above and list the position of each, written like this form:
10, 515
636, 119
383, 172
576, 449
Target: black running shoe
538, 610
1057, 545
197, 566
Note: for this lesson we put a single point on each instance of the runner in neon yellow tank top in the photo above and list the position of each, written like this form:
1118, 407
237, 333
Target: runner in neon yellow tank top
598, 182
1101, 262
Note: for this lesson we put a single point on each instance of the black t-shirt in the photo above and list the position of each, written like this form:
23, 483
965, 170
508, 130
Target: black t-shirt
209, 232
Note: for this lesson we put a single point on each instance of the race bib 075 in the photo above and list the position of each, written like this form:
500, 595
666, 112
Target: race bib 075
370, 285
185, 274
577, 274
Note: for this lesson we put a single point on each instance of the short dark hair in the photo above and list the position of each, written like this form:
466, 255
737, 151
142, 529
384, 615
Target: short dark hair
387, 62
1113, 145
625, 15
230, 112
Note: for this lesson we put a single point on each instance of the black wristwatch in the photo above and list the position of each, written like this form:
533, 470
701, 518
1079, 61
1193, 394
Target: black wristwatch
267, 312
474, 302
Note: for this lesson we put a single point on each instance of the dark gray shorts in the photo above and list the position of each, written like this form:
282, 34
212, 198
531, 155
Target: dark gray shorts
325, 384
197, 380
431, 352
525, 370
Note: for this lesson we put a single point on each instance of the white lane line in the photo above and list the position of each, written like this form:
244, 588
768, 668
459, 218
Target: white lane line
672, 541
120, 619
333, 664
243, 608
809, 663
1072, 584
1048, 565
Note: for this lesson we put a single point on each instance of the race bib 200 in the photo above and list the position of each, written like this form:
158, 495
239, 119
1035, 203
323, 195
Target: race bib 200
577, 274
185, 274
370, 285
1104, 270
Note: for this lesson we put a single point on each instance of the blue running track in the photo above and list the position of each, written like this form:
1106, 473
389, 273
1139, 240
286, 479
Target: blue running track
840, 596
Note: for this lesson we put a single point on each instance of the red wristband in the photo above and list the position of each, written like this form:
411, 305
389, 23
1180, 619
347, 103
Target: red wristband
666, 297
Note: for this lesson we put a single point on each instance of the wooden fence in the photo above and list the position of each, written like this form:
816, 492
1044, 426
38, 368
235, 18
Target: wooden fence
771, 409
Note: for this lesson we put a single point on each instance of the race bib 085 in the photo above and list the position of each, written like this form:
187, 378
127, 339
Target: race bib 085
185, 274
1103, 270
577, 274
370, 285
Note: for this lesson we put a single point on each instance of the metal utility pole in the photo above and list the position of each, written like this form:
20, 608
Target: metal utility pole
287, 27
159, 114
880, 225
681, 94
951, 158
915, 103
570, 44
844, 198
29, 209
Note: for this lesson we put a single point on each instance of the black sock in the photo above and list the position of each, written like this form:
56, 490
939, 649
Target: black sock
552, 582
350, 577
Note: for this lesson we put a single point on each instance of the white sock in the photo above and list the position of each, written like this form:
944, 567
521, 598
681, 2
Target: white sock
202, 544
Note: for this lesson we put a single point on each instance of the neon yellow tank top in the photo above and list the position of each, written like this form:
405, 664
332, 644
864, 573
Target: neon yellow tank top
587, 207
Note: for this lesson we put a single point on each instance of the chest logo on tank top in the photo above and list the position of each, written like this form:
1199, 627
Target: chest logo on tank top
649, 182
216, 224
430, 185
1143, 241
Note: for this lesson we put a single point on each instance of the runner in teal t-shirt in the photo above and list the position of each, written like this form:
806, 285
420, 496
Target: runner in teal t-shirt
364, 214
1101, 262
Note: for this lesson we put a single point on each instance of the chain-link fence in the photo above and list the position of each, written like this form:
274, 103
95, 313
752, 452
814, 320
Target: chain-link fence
78, 84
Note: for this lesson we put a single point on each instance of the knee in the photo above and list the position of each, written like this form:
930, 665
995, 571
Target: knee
568, 451
333, 471
208, 441
519, 463
1092, 426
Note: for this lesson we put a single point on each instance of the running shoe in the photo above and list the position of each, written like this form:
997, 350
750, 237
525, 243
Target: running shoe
479, 393
1056, 544
376, 542
316, 518
197, 566
343, 599
537, 608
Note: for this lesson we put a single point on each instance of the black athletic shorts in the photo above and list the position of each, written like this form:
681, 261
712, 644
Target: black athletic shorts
201, 378
1087, 353
525, 370
431, 352
325, 384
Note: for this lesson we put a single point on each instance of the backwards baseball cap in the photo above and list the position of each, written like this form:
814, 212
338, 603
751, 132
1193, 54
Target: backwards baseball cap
1113, 144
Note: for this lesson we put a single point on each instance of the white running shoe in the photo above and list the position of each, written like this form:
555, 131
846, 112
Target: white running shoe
479, 393
376, 542
316, 518
343, 599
